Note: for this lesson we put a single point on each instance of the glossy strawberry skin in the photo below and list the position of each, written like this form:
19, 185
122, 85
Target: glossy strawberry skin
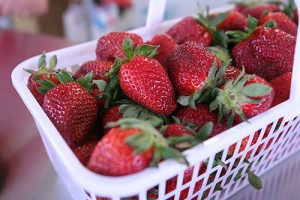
267, 53
188, 67
282, 87
99, 68
232, 72
200, 116
145, 81
259, 10
233, 21
84, 151
110, 115
72, 110
176, 130
283, 22
110, 45
166, 45
33, 85
188, 29
114, 157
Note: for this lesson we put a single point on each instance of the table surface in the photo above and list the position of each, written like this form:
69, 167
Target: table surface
25, 170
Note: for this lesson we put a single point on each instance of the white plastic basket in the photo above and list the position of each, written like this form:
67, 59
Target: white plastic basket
84, 184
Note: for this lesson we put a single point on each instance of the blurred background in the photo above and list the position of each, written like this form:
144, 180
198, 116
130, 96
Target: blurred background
85, 20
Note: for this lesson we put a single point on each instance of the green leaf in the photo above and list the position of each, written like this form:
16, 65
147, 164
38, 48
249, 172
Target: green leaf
238, 176
53, 62
193, 98
128, 48
189, 139
220, 162
205, 131
215, 21
270, 24
252, 24
46, 85
64, 77
101, 84
42, 60
254, 180
220, 38
170, 153
146, 50
219, 187
29, 71
141, 142
256, 90
86, 81
183, 100
131, 112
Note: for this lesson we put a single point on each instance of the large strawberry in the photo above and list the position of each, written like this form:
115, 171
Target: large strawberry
166, 45
109, 46
70, 107
43, 73
283, 22
130, 146
282, 87
266, 52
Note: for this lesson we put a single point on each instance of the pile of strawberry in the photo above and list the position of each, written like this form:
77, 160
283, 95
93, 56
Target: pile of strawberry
140, 102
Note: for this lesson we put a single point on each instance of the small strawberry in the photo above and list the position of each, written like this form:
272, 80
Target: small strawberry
131, 146
70, 107
110, 115
283, 22
99, 69
246, 96
234, 20
258, 10
84, 151
109, 46
166, 45
188, 29
43, 73
282, 87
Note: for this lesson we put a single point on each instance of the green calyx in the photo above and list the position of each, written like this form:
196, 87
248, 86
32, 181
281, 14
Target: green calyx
216, 78
229, 100
112, 90
148, 138
238, 36
65, 77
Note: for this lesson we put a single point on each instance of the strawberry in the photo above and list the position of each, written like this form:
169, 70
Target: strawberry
246, 96
188, 29
84, 151
109, 46
166, 45
282, 87
70, 107
99, 68
258, 10
283, 22
200, 116
234, 20
296, 16
267, 52
189, 66
232, 72
130, 146
110, 115
43, 73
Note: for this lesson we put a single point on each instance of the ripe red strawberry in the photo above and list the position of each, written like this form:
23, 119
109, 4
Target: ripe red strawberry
110, 115
72, 110
177, 130
99, 68
257, 11
110, 45
200, 116
166, 45
130, 146
296, 16
282, 87
233, 21
283, 22
84, 151
188, 29
145, 81
232, 72
43, 73
243, 97
268, 53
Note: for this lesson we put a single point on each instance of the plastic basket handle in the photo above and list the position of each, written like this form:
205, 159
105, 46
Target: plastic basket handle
155, 14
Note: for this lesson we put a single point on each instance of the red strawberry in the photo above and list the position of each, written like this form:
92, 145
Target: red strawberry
177, 130
111, 115
257, 11
145, 81
232, 72
267, 53
43, 73
84, 151
188, 29
234, 20
99, 68
282, 87
130, 146
110, 45
189, 66
200, 116
166, 45
72, 110
283, 22
114, 157
296, 17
